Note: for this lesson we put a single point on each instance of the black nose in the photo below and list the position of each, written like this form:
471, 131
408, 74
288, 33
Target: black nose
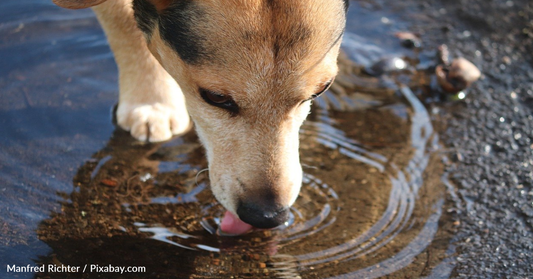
264, 217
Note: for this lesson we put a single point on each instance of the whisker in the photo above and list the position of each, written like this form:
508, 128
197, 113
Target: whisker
196, 179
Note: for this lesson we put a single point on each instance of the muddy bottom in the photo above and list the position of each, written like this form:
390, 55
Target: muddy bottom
373, 202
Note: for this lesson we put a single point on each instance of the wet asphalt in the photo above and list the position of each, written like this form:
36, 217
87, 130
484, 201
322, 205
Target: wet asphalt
488, 136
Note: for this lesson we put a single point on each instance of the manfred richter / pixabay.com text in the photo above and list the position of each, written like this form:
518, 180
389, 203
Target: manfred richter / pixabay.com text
50, 268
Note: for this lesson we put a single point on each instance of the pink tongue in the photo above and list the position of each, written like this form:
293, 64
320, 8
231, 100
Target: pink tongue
232, 225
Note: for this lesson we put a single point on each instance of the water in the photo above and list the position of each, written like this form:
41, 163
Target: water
75, 191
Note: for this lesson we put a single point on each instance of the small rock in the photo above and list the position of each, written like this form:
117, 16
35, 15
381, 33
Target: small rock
507, 60
443, 55
459, 157
409, 40
459, 75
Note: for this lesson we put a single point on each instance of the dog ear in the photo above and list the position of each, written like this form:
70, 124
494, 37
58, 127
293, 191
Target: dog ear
77, 4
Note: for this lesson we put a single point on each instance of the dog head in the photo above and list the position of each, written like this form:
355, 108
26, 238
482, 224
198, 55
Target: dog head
249, 70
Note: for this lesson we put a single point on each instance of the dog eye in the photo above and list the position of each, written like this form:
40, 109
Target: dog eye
219, 100
216, 98
324, 88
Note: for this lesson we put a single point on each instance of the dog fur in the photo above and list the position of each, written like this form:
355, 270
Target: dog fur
247, 71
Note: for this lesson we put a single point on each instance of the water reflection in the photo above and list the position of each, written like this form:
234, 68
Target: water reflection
362, 211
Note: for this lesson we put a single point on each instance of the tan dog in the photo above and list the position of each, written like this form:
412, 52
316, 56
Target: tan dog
247, 71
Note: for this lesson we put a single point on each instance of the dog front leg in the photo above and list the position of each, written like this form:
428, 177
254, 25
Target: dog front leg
151, 105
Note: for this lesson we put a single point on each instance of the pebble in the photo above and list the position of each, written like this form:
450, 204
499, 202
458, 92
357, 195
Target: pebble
459, 75
109, 182
408, 39
443, 54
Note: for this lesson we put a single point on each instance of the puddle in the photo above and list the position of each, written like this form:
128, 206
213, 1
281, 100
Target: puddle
370, 204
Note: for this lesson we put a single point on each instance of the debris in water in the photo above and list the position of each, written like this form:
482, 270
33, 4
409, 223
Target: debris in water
408, 39
109, 182
386, 65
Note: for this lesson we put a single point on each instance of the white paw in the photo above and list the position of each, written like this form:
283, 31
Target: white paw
153, 122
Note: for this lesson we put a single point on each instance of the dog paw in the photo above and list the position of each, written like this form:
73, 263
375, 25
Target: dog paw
153, 122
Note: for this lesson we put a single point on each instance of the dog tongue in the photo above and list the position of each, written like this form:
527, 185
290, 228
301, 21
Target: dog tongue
231, 224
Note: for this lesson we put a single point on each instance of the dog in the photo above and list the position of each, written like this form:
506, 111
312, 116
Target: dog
243, 71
